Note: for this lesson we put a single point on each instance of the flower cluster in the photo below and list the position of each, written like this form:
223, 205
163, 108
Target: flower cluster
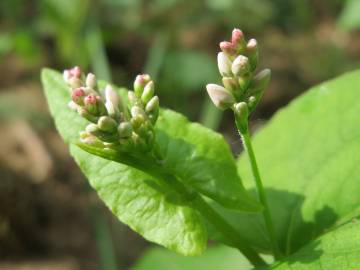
113, 123
237, 63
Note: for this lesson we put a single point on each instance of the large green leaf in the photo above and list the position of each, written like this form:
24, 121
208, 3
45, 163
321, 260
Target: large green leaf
308, 155
158, 214
133, 196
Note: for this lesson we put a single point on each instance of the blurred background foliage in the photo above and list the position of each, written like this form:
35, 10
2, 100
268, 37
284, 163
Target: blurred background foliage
49, 219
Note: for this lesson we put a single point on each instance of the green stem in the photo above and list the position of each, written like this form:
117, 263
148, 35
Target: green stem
245, 135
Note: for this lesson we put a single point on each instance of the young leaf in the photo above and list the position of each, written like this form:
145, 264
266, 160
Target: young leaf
309, 157
134, 197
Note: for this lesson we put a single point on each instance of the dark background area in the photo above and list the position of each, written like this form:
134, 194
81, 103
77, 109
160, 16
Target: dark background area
49, 217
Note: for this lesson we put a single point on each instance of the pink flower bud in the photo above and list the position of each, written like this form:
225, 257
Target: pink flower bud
251, 45
237, 35
227, 47
75, 72
78, 96
140, 82
91, 99
72, 77
238, 40
252, 52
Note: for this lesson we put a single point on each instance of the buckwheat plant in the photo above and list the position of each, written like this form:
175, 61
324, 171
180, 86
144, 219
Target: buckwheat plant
177, 183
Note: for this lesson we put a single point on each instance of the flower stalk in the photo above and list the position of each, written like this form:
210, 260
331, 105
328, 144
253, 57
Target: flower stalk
241, 92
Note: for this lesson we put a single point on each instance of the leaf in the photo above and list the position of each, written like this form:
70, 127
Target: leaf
215, 258
337, 249
308, 156
150, 209
133, 196
199, 157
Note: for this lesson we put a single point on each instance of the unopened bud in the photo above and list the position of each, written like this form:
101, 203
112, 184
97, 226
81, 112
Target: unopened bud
106, 123
136, 110
238, 40
240, 66
227, 47
221, 97
73, 106
152, 105
75, 72
148, 92
260, 81
224, 64
78, 95
137, 121
90, 102
132, 98
90, 139
139, 83
244, 81
84, 113
252, 52
242, 113
125, 129
92, 129
102, 135
74, 82
252, 102
230, 84
90, 81
112, 100
111, 95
